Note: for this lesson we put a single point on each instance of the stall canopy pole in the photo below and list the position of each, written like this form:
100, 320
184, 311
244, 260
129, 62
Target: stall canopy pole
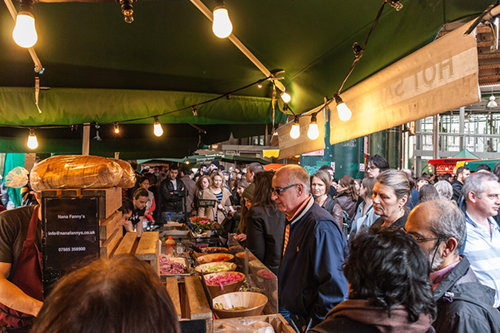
86, 139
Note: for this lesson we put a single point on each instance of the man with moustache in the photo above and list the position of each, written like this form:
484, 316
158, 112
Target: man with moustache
463, 303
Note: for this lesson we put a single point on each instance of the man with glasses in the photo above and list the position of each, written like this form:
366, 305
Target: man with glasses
482, 244
310, 278
463, 303
375, 165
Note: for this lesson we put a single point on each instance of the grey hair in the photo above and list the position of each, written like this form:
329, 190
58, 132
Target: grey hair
397, 180
255, 167
449, 221
477, 183
444, 189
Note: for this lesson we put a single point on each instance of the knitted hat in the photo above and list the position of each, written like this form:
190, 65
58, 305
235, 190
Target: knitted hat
248, 193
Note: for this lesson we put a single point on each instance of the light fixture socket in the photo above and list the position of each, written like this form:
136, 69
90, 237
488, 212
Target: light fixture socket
195, 112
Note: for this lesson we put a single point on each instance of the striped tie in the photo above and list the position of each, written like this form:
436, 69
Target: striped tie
287, 235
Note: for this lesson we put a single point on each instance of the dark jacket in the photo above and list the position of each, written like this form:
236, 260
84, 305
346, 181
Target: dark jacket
310, 278
457, 191
265, 228
399, 224
464, 304
346, 203
172, 199
356, 315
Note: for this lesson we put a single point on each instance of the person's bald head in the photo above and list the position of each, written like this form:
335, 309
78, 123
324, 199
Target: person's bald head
291, 188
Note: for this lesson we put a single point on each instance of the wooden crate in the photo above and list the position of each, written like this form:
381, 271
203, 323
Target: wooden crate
277, 321
148, 249
108, 226
190, 300
128, 244
110, 199
109, 245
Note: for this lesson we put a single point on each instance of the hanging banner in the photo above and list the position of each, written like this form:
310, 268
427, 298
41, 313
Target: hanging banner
441, 76
292, 147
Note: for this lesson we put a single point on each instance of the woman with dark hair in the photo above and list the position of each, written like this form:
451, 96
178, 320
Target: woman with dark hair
365, 215
202, 183
389, 287
390, 194
145, 182
421, 181
320, 186
347, 196
427, 193
265, 223
118, 295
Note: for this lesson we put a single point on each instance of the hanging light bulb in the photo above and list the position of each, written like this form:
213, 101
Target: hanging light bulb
295, 131
187, 162
221, 26
286, 97
313, 132
24, 32
32, 141
116, 128
492, 103
157, 128
342, 109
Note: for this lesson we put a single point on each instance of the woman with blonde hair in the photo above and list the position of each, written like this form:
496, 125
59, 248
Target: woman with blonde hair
218, 192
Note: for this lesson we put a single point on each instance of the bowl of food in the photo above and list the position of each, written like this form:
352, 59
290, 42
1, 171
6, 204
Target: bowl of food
215, 267
213, 249
239, 304
223, 282
241, 255
215, 257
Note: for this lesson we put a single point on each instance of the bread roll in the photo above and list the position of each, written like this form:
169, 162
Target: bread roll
128, 176
75, 171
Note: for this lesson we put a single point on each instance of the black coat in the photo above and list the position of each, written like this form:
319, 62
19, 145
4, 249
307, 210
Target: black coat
265, 229
457, 191
172, 200
464, 304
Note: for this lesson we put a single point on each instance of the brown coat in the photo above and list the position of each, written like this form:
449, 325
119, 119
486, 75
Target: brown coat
210, 212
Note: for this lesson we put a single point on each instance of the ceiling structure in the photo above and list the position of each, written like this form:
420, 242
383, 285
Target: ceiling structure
101, 70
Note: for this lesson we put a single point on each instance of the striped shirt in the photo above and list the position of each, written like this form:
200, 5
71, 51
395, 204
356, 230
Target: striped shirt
482, 248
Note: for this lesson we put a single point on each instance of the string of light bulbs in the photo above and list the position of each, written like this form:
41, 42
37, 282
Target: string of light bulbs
25, 35
343, 110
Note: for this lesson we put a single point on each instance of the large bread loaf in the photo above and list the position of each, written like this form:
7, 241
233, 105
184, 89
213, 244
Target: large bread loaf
75, 171
128, 176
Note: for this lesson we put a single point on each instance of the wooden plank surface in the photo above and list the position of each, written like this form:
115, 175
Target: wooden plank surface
127, 244
110, 244
109, 225
173, 292
276, 320
198, 303
148, 249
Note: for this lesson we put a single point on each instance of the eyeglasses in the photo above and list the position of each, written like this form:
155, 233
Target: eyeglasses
279, 190
423, 239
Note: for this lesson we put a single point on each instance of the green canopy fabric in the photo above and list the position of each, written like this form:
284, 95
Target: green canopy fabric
465, 153
472, 165
102, 70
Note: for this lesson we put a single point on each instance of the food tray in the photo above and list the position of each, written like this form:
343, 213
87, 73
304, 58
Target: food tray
180, 261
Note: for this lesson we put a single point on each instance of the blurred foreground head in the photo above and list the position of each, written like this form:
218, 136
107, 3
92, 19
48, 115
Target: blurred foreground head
118, 295
388, 268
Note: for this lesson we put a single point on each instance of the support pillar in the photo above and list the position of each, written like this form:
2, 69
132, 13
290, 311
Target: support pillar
394, 147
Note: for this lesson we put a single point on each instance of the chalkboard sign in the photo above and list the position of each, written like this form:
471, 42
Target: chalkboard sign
71, 234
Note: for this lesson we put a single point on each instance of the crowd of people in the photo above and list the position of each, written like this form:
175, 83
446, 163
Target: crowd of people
387, 253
